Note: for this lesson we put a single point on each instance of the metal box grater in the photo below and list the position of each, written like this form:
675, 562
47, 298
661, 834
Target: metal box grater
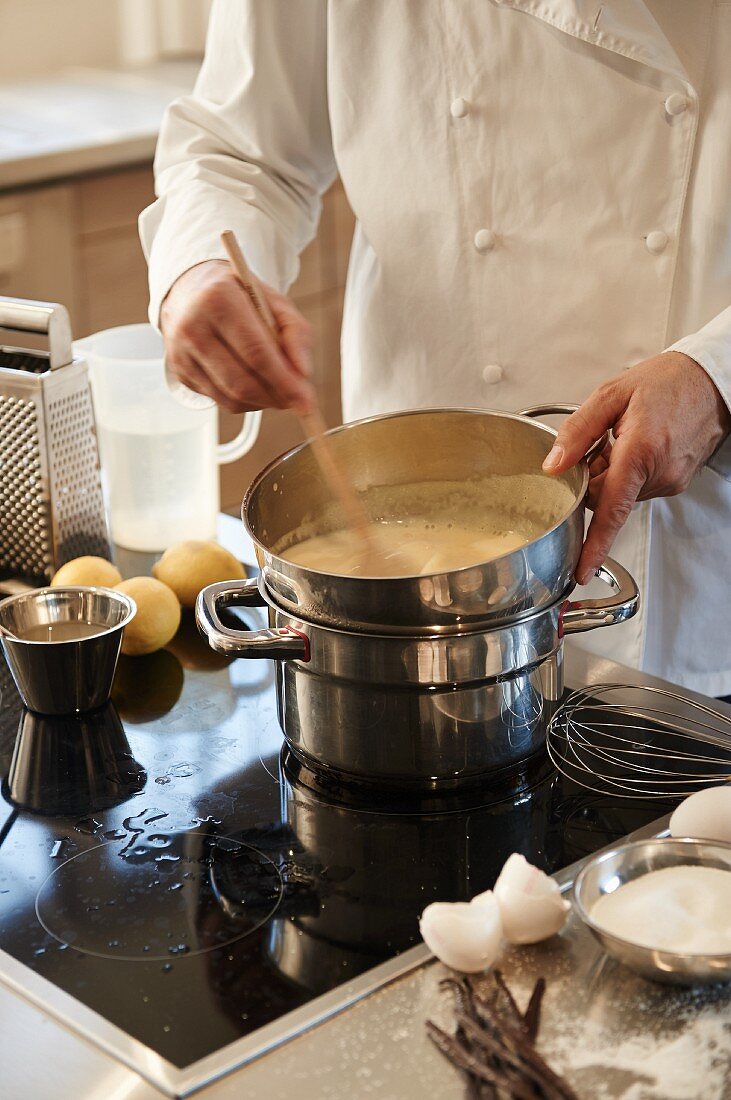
51, 504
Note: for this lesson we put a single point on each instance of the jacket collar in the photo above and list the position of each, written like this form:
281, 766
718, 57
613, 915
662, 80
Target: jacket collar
625, 27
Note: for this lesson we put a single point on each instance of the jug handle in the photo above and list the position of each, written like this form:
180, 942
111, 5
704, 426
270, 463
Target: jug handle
242, 443
557, 410
278, 643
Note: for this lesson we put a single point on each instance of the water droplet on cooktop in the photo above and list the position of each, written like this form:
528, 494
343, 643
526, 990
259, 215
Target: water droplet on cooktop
159, 840
166, 968
179, 949
184, 770
57, 849
115, 834
162, 779
88, 826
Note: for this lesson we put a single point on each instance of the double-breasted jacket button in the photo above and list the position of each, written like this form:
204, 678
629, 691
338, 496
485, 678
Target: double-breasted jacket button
459, 107
656, 242
676, 103
492, 373
484, 240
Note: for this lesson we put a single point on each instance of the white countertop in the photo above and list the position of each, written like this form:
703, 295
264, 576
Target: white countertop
84, 120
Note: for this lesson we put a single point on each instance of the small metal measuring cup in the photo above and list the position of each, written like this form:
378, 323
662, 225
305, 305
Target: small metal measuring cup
69, 676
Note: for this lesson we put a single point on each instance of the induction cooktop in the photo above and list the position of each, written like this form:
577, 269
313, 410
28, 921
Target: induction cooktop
177, 888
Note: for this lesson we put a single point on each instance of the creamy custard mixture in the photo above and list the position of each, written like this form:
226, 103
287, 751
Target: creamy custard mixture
430, 527
406, 547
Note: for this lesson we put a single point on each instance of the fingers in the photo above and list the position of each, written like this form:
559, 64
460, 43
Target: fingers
217, 343
593, 492
599, 412
295, 333
617, 492
220, 377
254, 350
187, 371
601, 462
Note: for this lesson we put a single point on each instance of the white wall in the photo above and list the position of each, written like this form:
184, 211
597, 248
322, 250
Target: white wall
38, 37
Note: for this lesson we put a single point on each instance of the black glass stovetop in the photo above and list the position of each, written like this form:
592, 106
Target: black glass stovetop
165, 864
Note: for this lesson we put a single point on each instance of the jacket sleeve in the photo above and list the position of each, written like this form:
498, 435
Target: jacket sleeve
250, 149
711, 348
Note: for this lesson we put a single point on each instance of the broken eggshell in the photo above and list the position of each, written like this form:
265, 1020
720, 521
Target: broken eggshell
463, 935
530, 902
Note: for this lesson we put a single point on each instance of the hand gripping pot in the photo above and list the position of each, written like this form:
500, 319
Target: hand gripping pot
428, 681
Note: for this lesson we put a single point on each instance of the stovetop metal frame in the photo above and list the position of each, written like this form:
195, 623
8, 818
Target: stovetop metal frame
161, 1073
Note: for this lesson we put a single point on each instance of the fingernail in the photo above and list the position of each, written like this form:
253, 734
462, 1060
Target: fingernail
553, 458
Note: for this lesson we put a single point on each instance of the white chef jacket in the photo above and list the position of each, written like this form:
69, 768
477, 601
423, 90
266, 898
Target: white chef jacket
543, 197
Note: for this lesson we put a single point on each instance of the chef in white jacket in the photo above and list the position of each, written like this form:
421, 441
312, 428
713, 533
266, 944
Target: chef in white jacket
543, 200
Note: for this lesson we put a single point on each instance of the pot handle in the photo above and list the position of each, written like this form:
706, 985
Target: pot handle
580, 615
277, 643
552, 410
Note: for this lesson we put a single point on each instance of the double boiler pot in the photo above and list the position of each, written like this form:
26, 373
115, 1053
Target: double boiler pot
431, 681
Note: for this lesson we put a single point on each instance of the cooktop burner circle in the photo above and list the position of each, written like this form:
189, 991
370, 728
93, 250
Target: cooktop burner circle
164, 896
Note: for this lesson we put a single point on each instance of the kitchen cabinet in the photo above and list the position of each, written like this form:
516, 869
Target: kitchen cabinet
76, 242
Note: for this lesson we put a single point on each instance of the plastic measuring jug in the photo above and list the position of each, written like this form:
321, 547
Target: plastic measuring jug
159, 459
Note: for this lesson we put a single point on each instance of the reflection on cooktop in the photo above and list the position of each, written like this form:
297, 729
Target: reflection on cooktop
159, 895
159, 864
72, 765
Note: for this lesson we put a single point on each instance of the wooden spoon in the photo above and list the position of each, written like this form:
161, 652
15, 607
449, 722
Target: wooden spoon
312, 423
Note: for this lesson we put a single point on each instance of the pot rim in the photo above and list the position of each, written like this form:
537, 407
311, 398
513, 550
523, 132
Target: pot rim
471, 410
463, 632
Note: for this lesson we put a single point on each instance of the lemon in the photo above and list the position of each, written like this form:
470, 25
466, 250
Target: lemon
157, 618
190, 566
87, 571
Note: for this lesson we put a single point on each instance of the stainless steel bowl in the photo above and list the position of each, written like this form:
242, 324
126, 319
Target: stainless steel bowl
457, 446
64, 677
609, 870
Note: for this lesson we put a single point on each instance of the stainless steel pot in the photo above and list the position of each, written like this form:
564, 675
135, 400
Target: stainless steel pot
430, 711
435, 445
427, 681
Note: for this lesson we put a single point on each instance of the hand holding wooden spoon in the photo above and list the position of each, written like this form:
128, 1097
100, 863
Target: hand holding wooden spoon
310, 417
